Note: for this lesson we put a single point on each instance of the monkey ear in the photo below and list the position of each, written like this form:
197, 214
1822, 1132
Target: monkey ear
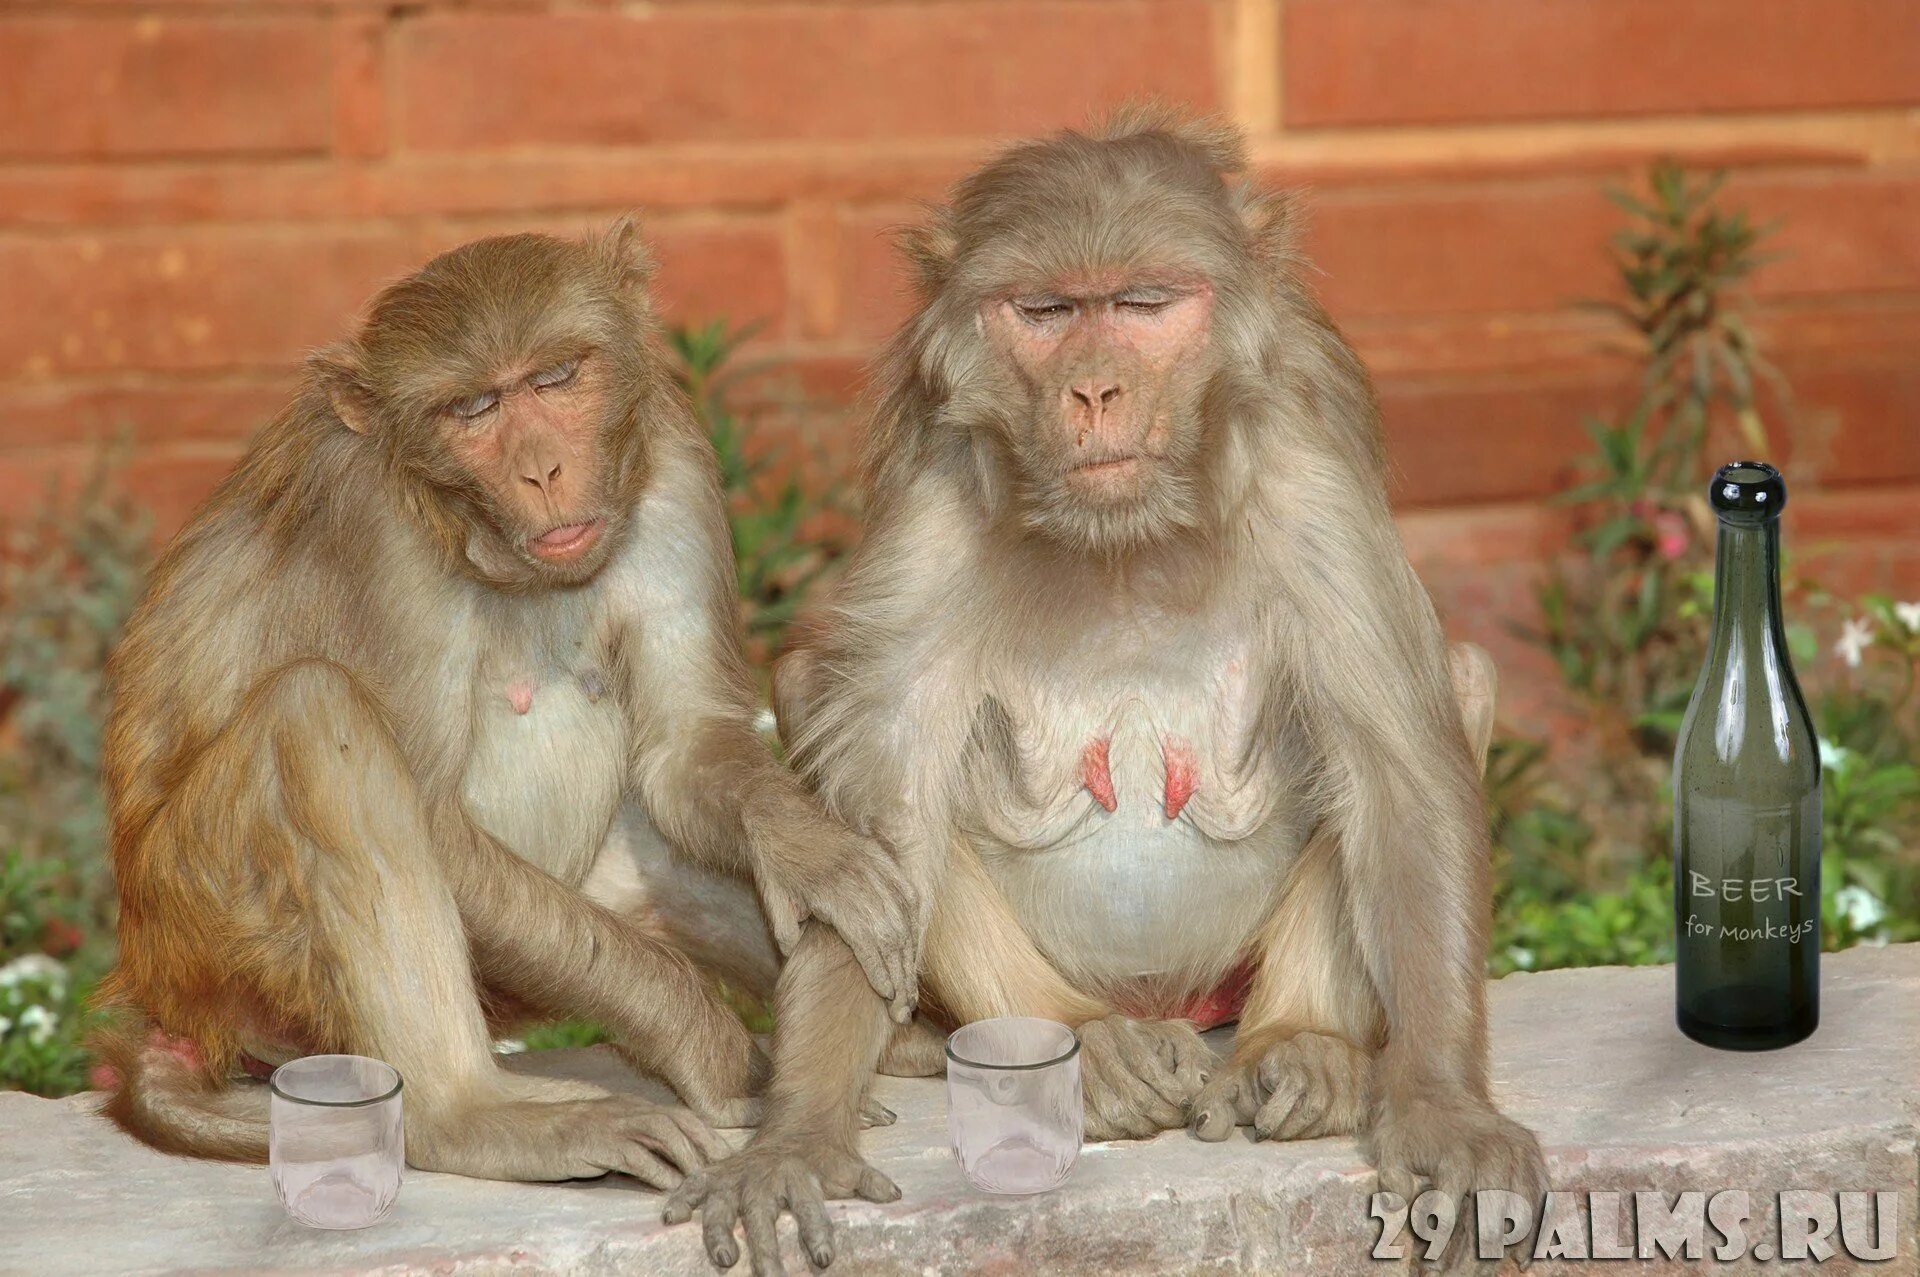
337, 371
624, 248
1273, 221
930, 249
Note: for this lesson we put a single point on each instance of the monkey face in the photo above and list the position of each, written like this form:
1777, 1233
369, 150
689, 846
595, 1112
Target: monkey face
511, 383
1108, 392
1104, 373
531, 443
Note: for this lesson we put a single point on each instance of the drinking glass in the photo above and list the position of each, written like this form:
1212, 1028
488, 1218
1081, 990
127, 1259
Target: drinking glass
1013, 1103
334, 1139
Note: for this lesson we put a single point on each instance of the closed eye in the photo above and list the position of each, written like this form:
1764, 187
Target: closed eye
1039, 312
558, 375
1150, 304
478, 406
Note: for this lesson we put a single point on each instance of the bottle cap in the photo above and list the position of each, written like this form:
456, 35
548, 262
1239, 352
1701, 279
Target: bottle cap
1747, 492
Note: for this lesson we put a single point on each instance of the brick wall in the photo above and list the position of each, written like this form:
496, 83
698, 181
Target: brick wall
192, 192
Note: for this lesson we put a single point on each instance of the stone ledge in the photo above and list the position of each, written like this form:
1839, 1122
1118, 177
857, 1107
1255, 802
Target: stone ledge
1589, 1059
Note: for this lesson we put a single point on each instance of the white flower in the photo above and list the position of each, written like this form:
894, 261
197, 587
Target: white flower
1909, 614
509, 1046
5, 1024
34, 966
1855, 637
1862, 907
1521, 956
1833, 757
39, 1024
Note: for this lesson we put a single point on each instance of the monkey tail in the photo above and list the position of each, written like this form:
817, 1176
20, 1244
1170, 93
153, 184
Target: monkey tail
158, 1093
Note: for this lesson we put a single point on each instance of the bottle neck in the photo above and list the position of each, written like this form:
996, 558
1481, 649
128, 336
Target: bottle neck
1746, 584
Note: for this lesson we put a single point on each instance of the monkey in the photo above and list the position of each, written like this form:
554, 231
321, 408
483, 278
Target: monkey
436, 716
1131, 671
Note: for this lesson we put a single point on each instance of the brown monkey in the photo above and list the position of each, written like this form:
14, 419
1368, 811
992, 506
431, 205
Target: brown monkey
1132, 672
465, 599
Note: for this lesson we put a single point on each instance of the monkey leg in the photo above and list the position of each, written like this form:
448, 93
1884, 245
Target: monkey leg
916, 1049
831, 1028
1137, 1076
547, 945
1312, 1022
328, 893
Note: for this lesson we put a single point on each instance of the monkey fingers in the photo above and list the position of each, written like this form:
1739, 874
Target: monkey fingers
657, 1144
752, 1188
865, 896
1460, 1147
1310, 1085
1134, 1087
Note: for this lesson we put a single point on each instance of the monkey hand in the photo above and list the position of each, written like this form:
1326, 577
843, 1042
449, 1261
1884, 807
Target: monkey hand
853, 885
800, 1173
1140, 1075
1458, 1145
1300, 1087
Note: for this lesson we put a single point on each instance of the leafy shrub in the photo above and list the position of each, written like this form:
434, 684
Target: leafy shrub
1583, 833
785, 538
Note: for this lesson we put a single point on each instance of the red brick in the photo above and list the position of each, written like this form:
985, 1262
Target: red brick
152, 411
1542, 245
1838, 233
749, 178
818, 71
168, 487
1389, 61
153, 86
359, 86
185, 301
256, 298
726, 271
1532, 247
1479, 442
876, 288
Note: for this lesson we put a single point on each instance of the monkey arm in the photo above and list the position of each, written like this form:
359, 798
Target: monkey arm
706, 778
1370, 669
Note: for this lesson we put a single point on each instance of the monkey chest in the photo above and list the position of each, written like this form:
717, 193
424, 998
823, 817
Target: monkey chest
1140, 831
546, 769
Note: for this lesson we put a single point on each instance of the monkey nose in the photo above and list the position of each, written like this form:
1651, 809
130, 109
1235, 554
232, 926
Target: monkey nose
541, 474
1093, 395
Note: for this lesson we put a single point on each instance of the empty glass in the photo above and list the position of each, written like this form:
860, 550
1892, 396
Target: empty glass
1013, 1103
335, 1141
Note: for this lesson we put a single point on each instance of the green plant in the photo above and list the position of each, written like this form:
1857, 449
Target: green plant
68, 580
1581, 832
785, 539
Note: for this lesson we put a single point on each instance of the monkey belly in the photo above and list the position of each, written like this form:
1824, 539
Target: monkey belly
547, 779
1132, 903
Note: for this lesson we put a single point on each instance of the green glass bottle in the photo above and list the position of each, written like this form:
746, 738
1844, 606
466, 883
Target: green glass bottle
1746, 798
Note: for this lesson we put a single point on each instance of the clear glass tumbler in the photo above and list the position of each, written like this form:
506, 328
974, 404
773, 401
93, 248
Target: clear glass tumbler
1013, 1103
335, 1141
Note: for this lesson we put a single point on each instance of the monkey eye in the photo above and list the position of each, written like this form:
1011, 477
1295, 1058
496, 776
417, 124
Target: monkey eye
1143, 303
1041, 309
558, 375
478, 406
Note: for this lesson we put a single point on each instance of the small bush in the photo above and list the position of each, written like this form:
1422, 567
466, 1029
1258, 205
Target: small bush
1582, 833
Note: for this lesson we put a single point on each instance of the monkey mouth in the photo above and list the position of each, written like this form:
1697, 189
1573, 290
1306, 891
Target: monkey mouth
1109, 476
567, 542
